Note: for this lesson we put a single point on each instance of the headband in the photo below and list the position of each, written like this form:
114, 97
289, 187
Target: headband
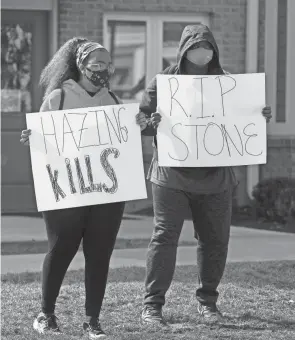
84, 50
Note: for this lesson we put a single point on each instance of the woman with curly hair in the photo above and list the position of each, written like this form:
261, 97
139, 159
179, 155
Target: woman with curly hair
78, 76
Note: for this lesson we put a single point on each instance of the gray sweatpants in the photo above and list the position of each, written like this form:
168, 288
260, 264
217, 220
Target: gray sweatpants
211, 218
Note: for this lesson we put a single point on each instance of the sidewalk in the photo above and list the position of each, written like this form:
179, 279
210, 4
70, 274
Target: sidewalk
19, 228
136, 257
245, 244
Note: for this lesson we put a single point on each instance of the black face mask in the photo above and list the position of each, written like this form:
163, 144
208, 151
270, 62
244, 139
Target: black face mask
99, 78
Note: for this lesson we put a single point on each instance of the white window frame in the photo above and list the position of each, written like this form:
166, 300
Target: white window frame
287, 128
39, 5
154, 29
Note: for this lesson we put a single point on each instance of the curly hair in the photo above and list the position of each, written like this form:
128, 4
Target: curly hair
62, 66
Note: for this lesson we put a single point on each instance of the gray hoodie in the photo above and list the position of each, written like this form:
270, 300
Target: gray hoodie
196, 180
76, 97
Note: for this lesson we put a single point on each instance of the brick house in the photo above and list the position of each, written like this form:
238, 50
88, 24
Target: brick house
142, 35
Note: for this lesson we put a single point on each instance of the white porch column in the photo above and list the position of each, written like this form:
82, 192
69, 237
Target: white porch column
270, 53
290, 74
271, 42
251, 67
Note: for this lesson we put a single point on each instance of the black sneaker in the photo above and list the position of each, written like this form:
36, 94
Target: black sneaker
152, 314
46, 324
210, 312
93, 329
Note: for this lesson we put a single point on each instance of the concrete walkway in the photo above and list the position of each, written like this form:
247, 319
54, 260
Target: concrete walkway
19, 228
238, 252
245, 244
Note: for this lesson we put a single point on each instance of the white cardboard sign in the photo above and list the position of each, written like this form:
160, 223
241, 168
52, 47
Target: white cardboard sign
211, 121
86, 156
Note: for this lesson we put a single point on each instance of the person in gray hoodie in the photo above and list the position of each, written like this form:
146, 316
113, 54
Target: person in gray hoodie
207, 192
78, 76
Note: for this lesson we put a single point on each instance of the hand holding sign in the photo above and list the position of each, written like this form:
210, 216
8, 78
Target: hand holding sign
25, 137
141, 120
155, 119
266, 111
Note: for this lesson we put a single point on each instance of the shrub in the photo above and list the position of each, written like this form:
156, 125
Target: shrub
269, 197
285, 205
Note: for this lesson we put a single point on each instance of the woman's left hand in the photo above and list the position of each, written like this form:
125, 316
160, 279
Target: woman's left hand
266, 111
141, 120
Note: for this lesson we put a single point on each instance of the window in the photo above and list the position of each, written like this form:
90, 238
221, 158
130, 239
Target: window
16, 42
127, 46
171, 35
141, 46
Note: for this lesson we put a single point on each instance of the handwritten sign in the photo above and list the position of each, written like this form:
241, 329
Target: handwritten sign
211, 121
86, 156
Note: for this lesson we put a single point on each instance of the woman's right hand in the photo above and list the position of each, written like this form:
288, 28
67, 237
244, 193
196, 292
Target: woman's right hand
155, 119
25, 137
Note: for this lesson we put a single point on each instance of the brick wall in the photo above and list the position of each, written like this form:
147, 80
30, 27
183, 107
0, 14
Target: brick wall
228, 21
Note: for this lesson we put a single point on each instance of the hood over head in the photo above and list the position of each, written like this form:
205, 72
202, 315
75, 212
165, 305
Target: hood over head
193, 34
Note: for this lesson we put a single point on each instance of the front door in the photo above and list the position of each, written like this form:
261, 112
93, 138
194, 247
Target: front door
24, 53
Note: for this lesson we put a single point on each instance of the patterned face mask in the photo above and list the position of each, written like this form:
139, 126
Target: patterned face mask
98, 74
98, 78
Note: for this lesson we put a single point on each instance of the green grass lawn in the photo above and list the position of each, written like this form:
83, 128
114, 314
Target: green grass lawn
257, 298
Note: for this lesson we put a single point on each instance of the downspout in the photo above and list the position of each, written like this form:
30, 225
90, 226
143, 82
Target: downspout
252, 67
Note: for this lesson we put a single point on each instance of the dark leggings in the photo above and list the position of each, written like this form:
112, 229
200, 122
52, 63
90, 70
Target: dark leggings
98, 226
